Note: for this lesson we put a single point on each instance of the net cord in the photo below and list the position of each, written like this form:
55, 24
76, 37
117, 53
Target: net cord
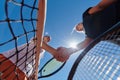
40, 31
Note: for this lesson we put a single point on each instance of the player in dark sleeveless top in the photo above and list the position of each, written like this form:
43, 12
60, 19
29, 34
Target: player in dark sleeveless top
96, 20
96, 23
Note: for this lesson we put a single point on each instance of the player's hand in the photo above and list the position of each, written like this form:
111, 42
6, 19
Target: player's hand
62, 54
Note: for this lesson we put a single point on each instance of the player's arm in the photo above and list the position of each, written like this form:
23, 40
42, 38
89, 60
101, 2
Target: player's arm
48, 48
101, 6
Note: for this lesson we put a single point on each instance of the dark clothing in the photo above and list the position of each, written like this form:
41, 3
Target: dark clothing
118, 10
99, 22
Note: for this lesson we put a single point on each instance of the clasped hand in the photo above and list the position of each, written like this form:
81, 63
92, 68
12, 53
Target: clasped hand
62, 54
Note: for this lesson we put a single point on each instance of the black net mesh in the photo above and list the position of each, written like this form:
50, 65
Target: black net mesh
101, 59
18, 20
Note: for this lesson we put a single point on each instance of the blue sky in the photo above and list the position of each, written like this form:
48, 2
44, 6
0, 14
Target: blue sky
62, 16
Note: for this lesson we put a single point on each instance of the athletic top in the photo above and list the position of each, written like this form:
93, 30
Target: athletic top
26, 57
118, 10
99, 22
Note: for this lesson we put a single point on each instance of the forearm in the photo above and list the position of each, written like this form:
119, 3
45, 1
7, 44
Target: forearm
73, 50
49, 48
79, 47
84, 43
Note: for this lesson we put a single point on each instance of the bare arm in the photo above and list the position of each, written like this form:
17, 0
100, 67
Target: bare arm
84, 43
57, 53
101, 6
49, 48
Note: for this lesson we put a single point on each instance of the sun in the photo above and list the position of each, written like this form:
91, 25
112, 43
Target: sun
118, 78
73, 44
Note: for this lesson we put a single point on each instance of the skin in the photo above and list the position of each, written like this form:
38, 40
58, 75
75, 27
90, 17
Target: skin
46, 39
101, 6
47, 47
62, 53
79, 27
68, 51
55, 52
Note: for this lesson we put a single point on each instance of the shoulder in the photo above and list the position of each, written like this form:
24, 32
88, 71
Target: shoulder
102, 5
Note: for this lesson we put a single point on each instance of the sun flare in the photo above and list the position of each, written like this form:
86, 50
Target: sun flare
73, 44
